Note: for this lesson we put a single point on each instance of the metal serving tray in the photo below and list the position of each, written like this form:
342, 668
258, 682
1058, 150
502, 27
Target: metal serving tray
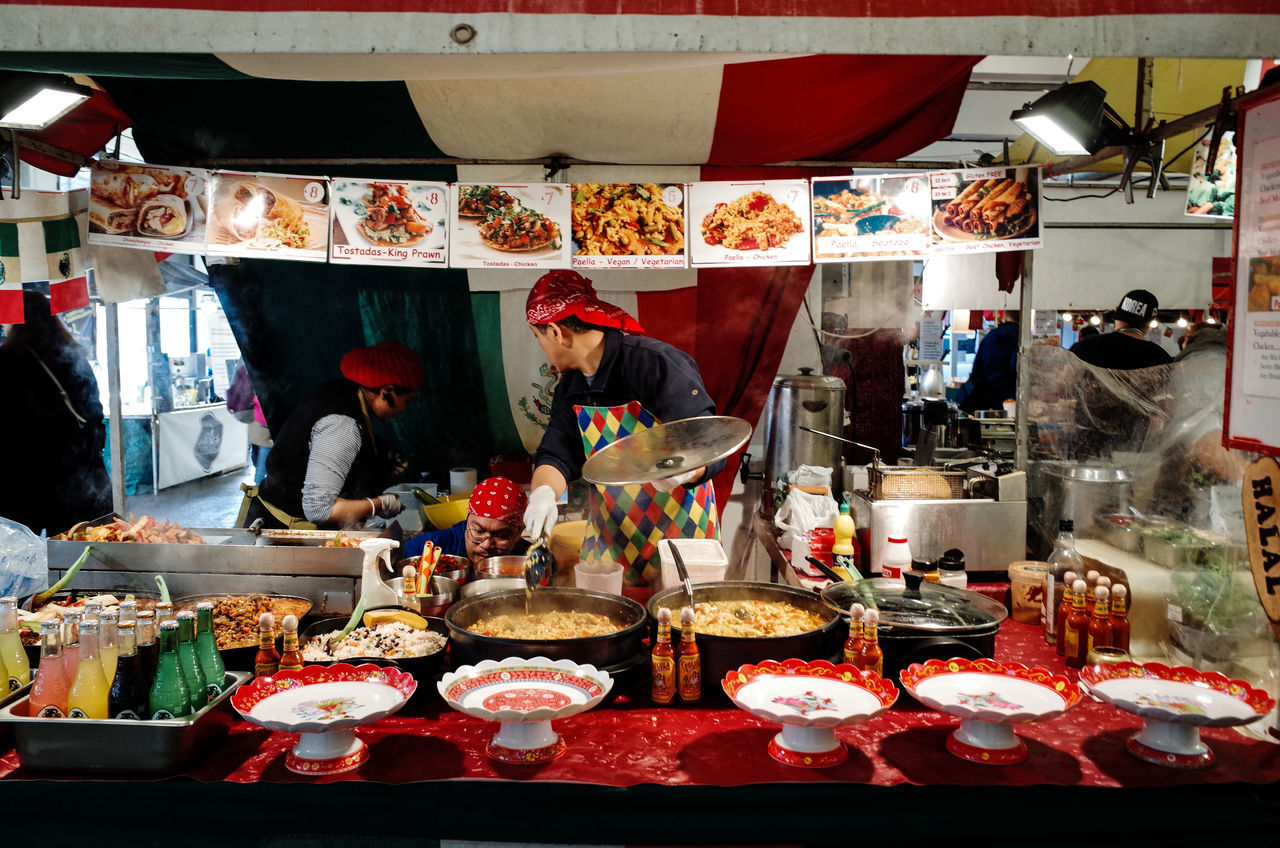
6, 732
117, 745
1174, 554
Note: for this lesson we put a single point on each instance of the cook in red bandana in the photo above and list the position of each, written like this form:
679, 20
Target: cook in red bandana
615, 382
495, 518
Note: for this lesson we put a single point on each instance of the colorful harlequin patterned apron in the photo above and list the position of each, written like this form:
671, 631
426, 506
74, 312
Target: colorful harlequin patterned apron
627, 522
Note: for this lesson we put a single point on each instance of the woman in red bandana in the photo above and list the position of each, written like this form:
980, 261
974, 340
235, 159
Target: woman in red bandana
615, 381
495, 517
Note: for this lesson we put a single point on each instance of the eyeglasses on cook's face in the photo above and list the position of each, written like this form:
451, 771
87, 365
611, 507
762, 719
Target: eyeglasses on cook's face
490, 530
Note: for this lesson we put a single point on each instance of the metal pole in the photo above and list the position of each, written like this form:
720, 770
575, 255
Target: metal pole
114, 414
1025, 321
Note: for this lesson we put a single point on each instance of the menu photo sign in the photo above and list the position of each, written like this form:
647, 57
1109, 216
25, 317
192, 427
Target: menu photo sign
985, 210
269, 215
389, 223
749, 223
629, 225
521, 225
870, 218
149, 207
1211, 191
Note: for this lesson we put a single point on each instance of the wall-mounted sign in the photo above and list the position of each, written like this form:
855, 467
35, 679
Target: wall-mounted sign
389, 223
985, 210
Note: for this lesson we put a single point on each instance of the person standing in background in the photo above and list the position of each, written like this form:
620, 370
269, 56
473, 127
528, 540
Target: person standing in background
242, 402
994, 378
51, 431
1127, 347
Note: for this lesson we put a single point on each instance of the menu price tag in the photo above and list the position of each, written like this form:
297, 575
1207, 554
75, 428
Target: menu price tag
858, 219
389, 223
985, 210
753, 223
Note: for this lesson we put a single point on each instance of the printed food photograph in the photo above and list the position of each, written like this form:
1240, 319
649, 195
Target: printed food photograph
481, 201
988, 209
388, 214
268, 213
1212, 191
626, 220
754, 221
845, 209
1264, 284
140, 200
499, 225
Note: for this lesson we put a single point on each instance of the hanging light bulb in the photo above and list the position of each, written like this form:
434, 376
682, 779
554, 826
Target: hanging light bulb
1154, 323
1182, 320
1095, 320
1067, 316
1211, 320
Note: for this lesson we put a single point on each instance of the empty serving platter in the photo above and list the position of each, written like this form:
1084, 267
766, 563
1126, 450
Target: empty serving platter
810, 700
1176, 702
524, 695
324, 704
989, 697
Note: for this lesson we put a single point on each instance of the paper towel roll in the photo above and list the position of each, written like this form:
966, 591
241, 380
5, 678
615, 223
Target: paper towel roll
461, 480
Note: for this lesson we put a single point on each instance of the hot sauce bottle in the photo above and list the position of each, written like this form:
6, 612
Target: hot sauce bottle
290, 657
663, 661
870, 657
1077, 635
409, 588
1091, 581
853, 644
1064, 610
689, 667
1100, 623
267, 661
1120, 617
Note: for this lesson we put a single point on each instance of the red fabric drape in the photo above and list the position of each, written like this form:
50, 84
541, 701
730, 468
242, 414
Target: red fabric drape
876, 108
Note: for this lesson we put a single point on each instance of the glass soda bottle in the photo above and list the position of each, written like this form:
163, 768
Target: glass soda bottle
663, 688
108, 650
215, 671
267, 661
128, 695
17, 666
128, 611
164, 612
49, 695
689, 666
71, 641
92, 609
290, 656
190, 663
148, 645
169, 696
1063, 559
88, 695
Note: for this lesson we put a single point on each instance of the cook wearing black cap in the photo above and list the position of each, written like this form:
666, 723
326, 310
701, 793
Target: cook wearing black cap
327, 469
1127, 347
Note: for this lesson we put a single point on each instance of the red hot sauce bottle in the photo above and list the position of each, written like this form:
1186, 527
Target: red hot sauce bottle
1077, 636
1120, 617
689, 667
663, 661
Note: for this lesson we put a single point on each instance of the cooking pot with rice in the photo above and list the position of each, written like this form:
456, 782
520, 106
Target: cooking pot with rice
425, 668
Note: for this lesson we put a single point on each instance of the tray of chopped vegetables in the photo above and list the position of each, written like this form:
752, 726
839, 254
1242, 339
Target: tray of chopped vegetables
1181, 545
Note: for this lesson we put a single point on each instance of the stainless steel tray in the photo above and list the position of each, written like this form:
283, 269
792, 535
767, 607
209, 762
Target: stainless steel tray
118, 745
1173, 554
315, 538
6, 732
1125, 537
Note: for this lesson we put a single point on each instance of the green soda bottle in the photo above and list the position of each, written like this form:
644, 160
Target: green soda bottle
189, 662
207, 650
170, 697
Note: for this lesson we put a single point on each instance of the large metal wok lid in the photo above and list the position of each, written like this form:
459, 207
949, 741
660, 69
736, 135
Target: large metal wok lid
933, 608
666, 450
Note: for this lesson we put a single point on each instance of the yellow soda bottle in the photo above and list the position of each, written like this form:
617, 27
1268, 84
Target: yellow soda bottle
89, 692
13, 657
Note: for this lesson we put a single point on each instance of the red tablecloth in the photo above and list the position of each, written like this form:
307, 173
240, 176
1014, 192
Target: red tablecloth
628, 744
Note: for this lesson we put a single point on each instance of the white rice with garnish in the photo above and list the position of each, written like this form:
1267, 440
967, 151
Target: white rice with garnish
391, 641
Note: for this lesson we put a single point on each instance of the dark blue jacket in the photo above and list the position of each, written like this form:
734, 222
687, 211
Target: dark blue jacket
994, 378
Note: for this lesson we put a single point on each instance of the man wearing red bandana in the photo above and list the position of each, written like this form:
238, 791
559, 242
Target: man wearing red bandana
615, 381
495, 517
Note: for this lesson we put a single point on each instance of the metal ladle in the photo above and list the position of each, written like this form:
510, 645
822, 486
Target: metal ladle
682, 571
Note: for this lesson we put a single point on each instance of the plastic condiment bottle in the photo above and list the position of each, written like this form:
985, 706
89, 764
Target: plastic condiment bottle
870, 657
409, 588
951, 570
1063, 559
290, 656
895, 558
1100, 623
663, 662
267, 661
1120, 617
853, 644
1077, 625
844, 553
689, 666
1064, 610
928, 570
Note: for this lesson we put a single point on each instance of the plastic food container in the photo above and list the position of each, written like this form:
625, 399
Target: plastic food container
118, 745
704, 558
1026, 588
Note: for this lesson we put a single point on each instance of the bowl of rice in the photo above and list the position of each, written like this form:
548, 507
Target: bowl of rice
419, 652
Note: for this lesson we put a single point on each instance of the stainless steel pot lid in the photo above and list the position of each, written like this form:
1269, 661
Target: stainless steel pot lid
933, 607
666, 450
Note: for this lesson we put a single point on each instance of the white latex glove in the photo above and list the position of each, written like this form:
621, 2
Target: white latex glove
389, 505
541, 513
667, 484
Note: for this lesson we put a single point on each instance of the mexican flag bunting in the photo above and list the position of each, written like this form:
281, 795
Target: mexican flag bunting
43, 237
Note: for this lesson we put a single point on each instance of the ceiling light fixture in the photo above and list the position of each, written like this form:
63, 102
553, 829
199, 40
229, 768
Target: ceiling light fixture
1155, 322
1066, 316
34, 101
1073, 120
1095, 320
1182, 320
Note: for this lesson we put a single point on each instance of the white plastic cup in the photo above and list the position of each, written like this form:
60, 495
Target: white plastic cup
599, 576
462, 480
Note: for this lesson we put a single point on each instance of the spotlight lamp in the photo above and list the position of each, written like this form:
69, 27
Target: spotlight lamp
34, 101
1073, 120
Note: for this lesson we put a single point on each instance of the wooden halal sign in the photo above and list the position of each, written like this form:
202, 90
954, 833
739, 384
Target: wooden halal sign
1262, 529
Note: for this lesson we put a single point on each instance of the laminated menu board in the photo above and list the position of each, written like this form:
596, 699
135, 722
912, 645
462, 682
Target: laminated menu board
864, 218
1252, 403
1211, 190
389, 223
985, 210
519, 225
749, 223
629, 225
269, 215
149, 207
